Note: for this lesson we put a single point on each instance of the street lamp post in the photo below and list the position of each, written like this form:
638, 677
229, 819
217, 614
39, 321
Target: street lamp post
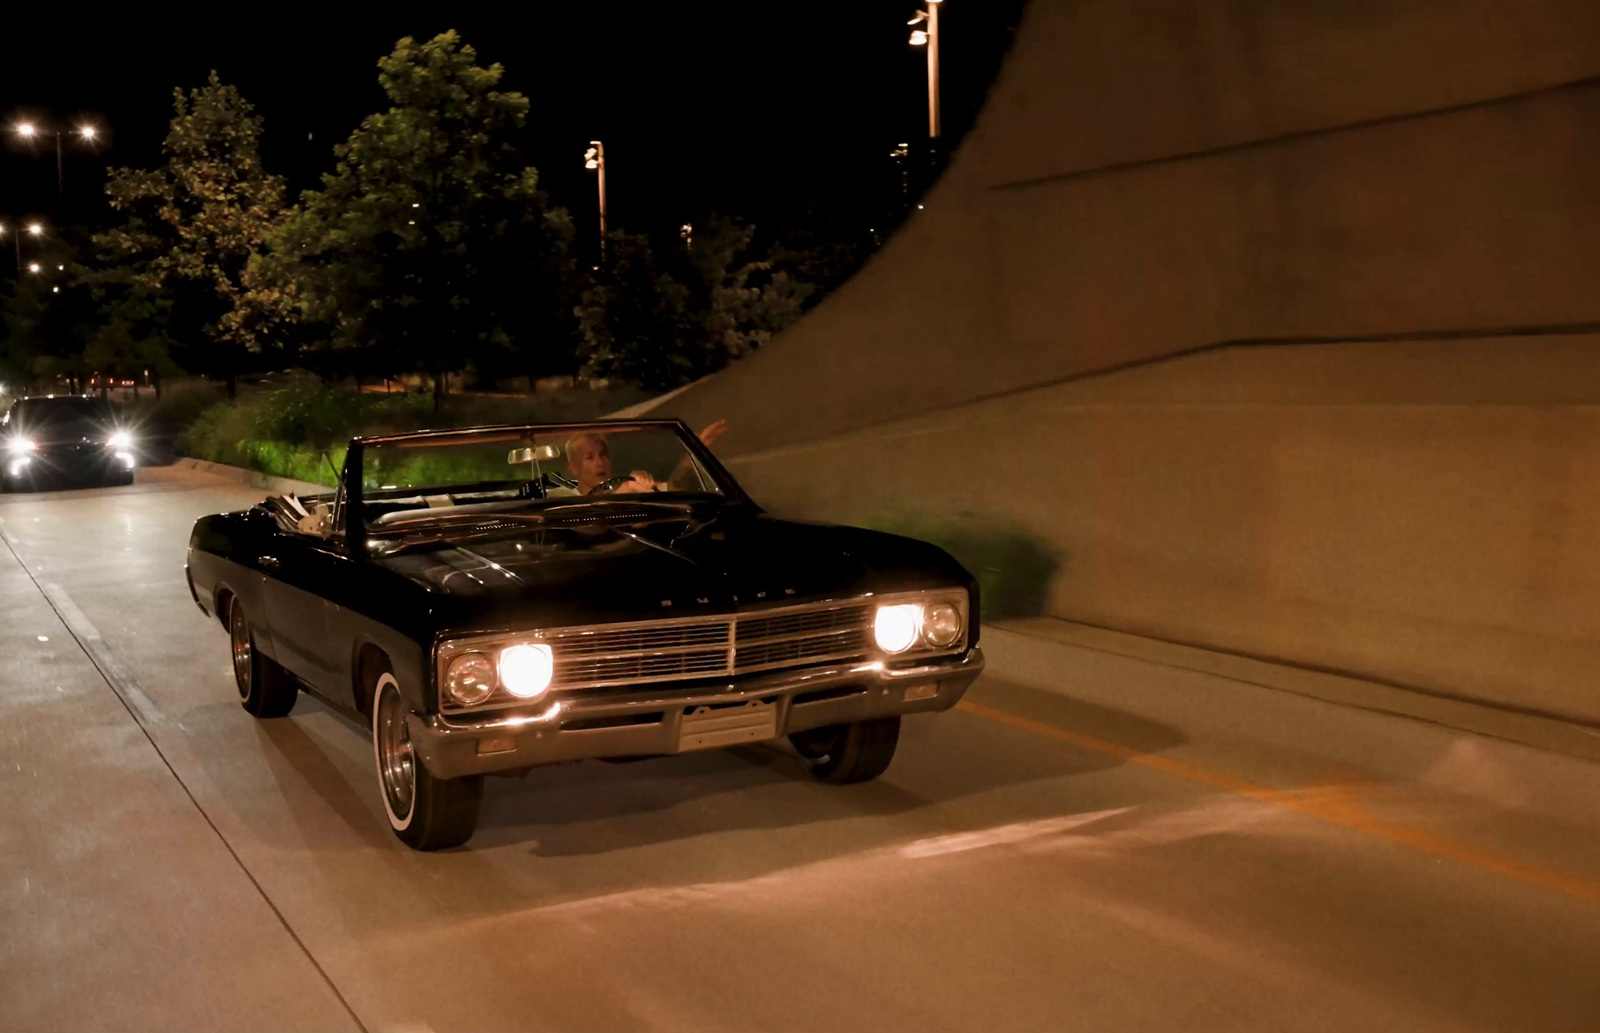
929, 38
595, 158
28, 130
34, 230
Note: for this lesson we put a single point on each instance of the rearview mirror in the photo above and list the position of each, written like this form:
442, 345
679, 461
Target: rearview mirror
536, 453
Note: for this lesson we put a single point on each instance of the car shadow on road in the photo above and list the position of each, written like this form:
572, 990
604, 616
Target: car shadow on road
595, 807
576, 831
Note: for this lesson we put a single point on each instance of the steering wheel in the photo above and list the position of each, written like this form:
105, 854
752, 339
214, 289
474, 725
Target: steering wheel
607, 487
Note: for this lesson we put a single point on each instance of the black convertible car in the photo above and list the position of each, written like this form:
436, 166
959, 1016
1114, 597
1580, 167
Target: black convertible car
489, 600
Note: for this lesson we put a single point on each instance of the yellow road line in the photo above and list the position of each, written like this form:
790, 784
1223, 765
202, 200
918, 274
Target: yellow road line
1338, 809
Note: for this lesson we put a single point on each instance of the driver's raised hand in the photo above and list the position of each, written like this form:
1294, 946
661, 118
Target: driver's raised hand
639, 480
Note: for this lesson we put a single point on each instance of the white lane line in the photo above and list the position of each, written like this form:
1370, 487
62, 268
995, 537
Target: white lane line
115, 670
109, 662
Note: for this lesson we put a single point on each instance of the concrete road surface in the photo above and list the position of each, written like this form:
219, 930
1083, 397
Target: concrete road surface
1093, 841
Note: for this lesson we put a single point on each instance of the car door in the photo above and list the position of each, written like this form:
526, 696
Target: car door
300, 571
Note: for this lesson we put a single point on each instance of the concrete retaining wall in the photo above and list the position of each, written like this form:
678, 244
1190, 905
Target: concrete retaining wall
1413, 185
1426, 514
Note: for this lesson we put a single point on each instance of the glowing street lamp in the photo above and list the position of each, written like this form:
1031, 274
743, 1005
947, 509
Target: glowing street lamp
929, 38
31, 130
594, 159
33, 229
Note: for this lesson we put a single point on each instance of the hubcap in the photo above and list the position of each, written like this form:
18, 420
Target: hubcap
396, 765
239, 630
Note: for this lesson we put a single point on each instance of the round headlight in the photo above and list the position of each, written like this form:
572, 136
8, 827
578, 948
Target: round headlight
121, 440
469, 679
526, 670
19, 446
896, 627
941, 624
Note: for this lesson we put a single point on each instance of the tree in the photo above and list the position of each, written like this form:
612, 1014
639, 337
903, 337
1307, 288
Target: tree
430, 246
663, 322
745, 300
635, 319
191, 226
50, 313
130, 340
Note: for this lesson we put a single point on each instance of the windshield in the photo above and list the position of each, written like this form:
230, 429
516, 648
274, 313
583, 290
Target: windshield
73, 414
412, 480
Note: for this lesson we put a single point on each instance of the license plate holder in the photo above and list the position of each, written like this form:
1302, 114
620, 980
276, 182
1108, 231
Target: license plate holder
712, 727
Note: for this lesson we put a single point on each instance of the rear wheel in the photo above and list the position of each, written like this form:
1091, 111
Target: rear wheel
427, 813
842, 754
265, 689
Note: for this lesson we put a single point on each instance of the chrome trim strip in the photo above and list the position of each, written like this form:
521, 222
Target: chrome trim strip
787, 681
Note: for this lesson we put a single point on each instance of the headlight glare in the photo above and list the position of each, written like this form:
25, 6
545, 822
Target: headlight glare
941, 624
897, 627
526, 669
120, 440
469, 679
19, 445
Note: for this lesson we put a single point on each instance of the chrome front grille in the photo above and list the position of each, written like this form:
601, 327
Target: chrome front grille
810, 636
605, 656
603, 641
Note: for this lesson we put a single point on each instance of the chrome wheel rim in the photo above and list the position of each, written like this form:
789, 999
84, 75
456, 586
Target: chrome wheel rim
396, 762
239, 631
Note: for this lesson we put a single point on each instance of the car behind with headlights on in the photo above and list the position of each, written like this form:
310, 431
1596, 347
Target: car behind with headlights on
64, 440
485, 601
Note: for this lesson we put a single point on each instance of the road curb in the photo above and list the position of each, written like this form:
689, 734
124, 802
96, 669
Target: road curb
1213, 702
255, 478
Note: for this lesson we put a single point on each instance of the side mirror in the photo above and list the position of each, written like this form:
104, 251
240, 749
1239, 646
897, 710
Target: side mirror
536, 453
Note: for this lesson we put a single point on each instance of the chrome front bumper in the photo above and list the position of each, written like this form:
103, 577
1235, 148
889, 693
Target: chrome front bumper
651, 722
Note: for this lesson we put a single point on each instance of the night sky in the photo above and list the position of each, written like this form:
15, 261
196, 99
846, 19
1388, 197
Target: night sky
773, 112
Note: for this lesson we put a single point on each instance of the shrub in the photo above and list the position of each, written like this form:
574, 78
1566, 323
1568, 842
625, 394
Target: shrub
178, 407
286, 430
1013, 567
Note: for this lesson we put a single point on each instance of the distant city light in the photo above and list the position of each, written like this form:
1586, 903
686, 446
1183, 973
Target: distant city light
87, 132
27, 129
35, 228
33, 267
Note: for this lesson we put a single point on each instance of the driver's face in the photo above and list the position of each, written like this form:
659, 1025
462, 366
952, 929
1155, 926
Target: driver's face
589, 462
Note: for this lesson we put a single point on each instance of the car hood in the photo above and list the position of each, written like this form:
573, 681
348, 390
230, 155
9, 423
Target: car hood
604, 570
60, 435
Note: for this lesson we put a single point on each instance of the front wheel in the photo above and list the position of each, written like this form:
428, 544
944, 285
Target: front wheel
842, 754
427, 813
265, 689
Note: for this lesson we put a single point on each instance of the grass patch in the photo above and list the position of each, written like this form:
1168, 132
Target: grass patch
1013, 567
